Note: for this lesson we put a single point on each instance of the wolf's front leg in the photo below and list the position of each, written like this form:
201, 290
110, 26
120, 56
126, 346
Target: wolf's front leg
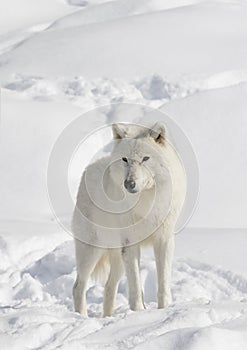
79, 296
116, 271
163, 251
131, 256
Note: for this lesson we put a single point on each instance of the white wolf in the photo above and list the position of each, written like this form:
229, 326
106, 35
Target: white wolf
142, 160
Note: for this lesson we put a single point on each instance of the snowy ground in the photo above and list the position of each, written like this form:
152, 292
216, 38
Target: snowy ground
38, 270
62, 58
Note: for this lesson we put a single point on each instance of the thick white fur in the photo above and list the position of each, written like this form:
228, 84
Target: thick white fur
133, 142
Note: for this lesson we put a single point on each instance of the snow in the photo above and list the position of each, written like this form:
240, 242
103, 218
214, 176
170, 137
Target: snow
39, 125
209, 301
110, 49
16, 15
62, 59
112, 10
216, 127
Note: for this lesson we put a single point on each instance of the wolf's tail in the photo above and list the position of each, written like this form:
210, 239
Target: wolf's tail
102, 269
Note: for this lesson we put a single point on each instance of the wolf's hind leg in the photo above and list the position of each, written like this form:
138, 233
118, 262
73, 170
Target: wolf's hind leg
87, 257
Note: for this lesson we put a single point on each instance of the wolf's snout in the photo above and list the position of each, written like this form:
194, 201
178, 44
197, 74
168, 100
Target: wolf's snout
129, 185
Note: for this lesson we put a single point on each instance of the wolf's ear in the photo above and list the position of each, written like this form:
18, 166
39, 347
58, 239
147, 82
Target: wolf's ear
119, 131
158, 133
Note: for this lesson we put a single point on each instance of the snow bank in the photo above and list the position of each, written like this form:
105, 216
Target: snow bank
28, 131
113, 10
217, 129
18, 15
163, 42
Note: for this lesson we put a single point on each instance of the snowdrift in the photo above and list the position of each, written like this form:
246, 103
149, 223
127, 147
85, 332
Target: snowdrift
215, 122
191, 40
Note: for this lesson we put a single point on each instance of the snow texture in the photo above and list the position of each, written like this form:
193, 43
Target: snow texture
38, 271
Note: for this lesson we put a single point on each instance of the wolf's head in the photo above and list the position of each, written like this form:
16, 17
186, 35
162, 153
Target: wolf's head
137, 155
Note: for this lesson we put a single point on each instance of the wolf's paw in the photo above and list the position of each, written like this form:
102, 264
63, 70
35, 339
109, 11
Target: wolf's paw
137, 306
164, 301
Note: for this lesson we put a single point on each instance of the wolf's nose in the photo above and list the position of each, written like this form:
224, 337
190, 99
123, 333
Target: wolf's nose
129, 184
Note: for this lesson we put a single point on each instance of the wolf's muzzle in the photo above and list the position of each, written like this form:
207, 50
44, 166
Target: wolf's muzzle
130, 185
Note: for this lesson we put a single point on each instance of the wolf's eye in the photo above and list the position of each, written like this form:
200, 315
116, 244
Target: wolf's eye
125, 159
145, 159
